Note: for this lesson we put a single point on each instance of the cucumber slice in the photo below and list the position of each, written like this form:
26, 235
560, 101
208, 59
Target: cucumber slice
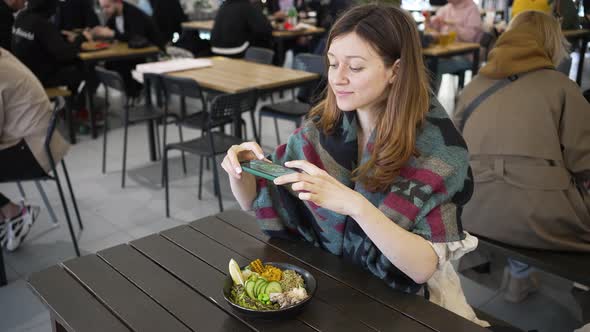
250, 289
273, 287
263, 289
259, 283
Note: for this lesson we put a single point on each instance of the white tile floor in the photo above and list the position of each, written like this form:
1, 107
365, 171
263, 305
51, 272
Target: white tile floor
113, 215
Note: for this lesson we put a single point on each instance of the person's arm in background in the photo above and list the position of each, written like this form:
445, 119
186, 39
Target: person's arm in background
437, 21
54, 42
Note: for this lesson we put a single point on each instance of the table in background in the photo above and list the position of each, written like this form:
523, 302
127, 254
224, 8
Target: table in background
581, 38
234, 75
172, 281
116, 52
435, 52
279, 36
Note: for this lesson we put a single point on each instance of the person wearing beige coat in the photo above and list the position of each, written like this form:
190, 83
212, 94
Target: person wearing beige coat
25, 113
529, 144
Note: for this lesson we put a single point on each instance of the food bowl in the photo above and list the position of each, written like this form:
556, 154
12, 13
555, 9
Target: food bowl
310, 286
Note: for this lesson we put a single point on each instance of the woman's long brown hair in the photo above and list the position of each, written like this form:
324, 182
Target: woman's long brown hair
393, 34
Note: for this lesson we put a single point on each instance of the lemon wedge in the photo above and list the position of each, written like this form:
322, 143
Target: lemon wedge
235, 272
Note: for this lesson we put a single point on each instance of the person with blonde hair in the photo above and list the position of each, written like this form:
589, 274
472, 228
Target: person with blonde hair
526, 126
384, 174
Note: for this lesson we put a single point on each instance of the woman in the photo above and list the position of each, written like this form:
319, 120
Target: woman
530, 147
385, 173
25, 113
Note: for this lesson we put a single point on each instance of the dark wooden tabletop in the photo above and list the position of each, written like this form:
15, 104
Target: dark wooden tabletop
172, 281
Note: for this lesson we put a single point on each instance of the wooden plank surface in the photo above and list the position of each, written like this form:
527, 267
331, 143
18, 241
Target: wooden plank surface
233, 75
318, 314
71, 304
123, 298
451, 49
201, 277
118, 50
204, 240
184, 303
416, 307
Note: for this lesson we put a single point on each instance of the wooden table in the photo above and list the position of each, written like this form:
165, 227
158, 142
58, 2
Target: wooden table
436, 52
172, 281
580, 39
117, 52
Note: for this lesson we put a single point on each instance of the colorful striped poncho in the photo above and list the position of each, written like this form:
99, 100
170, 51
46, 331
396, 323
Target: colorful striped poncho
426, 198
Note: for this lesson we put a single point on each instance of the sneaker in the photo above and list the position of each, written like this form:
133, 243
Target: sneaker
517, 290
18, 227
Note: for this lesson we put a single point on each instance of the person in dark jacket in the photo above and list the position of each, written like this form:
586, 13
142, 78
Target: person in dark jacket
238, 25
168, 16
7, 10
75, 14
126, 22
41, 47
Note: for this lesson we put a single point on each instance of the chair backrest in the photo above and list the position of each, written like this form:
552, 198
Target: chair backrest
486, 42
227, 107
259, 55
110, 79
312, 63
51, 128
183, 87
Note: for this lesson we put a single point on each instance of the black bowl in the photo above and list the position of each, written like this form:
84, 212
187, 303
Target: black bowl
310, 286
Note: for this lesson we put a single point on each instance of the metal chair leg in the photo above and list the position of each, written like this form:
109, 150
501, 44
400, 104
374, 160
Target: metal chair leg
104, 141
217, 187
3, 279
182, 152
255, 132
67, 213
277, 131
157, 132
46, 202
201, 175
21, 190
259, 125
124, 155
166, 185
74, 201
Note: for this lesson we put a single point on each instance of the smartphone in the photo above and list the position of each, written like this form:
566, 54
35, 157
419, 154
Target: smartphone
265, 170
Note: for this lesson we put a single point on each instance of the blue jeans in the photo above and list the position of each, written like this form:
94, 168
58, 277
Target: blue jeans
519, 269
451, 65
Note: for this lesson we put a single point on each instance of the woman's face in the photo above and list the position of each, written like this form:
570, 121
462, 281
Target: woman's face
357, 75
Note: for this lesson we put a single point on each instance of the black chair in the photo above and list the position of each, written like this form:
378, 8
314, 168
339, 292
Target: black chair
55, 177
131, 114
224, 108
259, 55
295, 110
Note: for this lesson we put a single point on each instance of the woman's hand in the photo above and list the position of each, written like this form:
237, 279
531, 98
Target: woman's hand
319, 187
239, 153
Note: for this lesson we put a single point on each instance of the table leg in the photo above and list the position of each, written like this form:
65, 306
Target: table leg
151, 140
90, 100
70, 119
3, 280
582, 52
280, 52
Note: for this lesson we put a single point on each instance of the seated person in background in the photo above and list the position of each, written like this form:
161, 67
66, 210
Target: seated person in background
127, 23
385, 172
459, 17
530, 148
168, 16
75, 14
39, 44
7, 10
25, 113
238, 25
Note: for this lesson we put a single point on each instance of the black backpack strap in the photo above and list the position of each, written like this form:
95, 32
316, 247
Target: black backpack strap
477, 101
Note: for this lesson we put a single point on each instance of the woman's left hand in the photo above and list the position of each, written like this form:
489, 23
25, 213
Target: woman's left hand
319, 187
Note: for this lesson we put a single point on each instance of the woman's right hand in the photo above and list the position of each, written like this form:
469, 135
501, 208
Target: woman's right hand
239, 153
